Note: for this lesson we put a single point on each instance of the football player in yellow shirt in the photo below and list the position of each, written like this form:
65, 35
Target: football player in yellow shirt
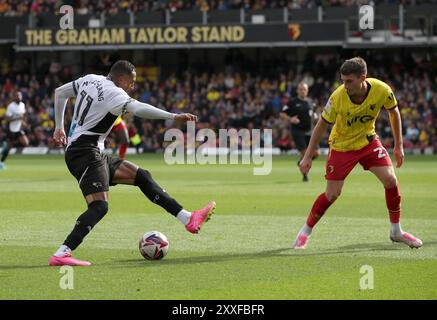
353, 108
121, 136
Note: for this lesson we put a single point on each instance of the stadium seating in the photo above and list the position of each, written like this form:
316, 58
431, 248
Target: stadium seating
217, 100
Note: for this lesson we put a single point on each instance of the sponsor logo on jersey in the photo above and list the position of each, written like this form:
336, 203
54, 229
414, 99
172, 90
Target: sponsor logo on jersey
362, 119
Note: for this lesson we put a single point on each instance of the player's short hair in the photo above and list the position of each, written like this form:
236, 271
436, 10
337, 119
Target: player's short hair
121, 67
356, 66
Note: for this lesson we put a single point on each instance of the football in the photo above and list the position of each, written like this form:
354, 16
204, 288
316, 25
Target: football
153, 245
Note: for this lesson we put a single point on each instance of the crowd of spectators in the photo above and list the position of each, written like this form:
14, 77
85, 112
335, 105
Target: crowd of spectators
236, 98
26, 7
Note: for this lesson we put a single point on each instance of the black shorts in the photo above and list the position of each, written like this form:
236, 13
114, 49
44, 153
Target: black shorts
13, 136
92, 169
301, 138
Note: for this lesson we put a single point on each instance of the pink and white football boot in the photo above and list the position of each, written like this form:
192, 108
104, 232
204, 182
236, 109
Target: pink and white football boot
67, 260
301, 241
408, 239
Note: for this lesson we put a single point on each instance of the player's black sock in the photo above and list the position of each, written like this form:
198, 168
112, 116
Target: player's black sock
155, 193
5, 152
96, 211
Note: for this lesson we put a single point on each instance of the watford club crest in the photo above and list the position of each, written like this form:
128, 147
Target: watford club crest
294, 31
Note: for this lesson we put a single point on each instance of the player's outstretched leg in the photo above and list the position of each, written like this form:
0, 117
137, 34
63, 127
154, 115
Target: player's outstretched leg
84, 224
193, 221
393, 201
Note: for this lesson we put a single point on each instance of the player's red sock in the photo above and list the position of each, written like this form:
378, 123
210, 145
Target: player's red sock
393, 200
122, 152
318, 210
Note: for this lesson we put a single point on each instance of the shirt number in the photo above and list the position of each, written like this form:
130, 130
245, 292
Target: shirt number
89, 101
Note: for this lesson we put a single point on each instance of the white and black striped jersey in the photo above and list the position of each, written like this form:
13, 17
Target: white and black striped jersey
98, 104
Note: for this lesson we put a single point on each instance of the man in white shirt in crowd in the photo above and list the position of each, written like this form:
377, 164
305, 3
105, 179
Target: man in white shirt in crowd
15, 134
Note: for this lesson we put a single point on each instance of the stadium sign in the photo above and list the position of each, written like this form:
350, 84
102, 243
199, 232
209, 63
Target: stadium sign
293, 34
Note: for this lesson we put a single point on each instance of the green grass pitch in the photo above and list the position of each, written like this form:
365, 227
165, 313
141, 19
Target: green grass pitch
243, 252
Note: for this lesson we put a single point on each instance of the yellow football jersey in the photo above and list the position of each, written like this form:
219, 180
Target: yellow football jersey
355, 123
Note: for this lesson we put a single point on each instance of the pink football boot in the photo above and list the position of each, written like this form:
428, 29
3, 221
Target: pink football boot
199, 217
301, 241
408, 239
67, 260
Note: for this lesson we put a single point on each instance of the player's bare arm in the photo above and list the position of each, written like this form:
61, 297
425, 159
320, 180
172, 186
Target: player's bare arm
184, 117
147, 111
62, 94
60, 137
396, 125
319, 131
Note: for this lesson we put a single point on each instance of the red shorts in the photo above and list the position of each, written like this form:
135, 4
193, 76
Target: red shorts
340, 164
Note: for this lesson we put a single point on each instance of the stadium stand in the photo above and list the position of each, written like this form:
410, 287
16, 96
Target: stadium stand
236, 94
242, 98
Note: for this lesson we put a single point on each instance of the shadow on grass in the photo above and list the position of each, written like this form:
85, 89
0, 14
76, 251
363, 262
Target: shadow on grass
281, 253
363, 247
24, 267
202, 259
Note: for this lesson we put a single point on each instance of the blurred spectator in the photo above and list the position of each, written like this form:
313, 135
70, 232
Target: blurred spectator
241, 99
24, 7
